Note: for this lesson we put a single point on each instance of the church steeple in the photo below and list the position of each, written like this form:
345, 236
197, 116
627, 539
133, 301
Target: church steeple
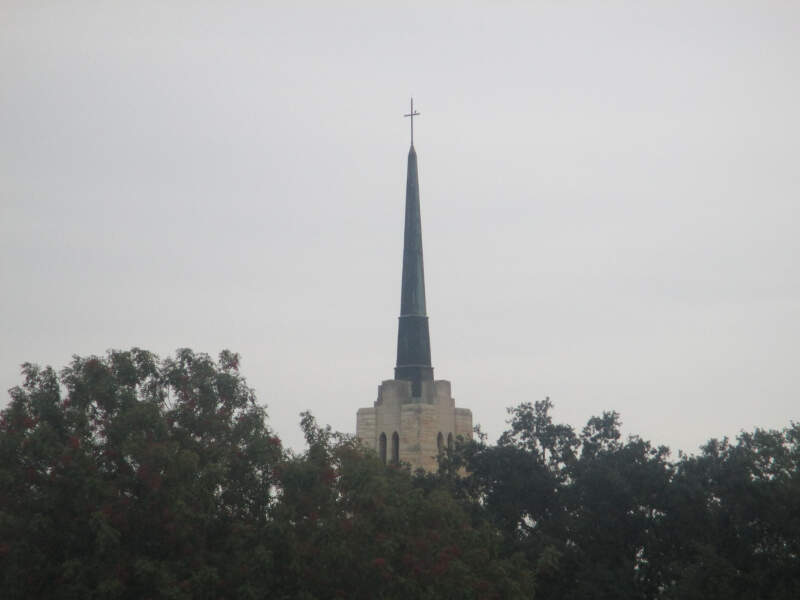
413, 415
413, 337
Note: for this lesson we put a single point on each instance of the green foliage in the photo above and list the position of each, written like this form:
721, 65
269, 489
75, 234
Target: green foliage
354, 528
127, 476
602, 517
743, 502
139, 482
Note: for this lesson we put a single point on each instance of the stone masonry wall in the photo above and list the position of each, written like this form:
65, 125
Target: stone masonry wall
417, 421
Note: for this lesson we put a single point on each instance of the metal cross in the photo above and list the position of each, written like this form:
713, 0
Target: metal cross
412, 114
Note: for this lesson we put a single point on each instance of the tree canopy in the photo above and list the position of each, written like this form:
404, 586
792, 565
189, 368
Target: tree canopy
129, 476
146, 478
601, 517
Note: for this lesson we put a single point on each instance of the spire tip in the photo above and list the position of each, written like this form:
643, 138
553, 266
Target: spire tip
412, 114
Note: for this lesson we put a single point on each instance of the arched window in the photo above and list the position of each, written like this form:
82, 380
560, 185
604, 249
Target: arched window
395, 448
440, 442
449, 441
382, 447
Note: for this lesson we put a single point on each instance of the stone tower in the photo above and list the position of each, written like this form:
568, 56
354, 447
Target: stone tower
414, 416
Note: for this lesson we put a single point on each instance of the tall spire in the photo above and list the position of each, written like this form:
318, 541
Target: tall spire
413, 337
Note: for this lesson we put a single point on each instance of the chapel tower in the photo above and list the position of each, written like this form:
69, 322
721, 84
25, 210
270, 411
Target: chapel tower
414, 416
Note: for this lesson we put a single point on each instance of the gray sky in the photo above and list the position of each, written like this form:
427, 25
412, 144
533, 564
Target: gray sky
609, 200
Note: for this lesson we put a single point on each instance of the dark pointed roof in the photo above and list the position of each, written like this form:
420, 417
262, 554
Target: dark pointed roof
413, 337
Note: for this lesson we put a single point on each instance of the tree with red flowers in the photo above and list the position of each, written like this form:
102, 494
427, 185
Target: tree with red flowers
130, 476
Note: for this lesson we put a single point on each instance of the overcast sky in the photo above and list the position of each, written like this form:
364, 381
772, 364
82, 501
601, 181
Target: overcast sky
609, 200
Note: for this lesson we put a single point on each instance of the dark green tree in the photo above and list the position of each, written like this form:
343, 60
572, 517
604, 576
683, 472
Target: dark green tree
144, 478
126, 476
734, 519
602, 517
583, 508
355, 528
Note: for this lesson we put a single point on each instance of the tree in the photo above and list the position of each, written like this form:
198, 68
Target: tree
616, 502
127, 476
734, 516
583, 508
147, 478
602, 517
353, 527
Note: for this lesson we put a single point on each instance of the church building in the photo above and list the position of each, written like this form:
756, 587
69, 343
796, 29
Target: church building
414, 417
